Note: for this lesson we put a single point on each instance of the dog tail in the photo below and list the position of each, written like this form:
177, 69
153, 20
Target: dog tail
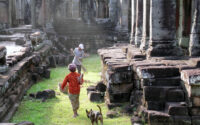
99, 108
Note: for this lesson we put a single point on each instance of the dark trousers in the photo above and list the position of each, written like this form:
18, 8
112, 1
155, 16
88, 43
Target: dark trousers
79, 68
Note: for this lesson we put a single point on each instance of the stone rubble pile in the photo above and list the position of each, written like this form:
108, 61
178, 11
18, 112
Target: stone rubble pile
96, 93
162, 90
117, 75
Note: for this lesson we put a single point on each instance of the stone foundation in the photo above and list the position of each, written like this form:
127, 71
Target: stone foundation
163, 90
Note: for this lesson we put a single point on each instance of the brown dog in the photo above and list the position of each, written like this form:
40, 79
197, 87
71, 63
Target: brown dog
94, 116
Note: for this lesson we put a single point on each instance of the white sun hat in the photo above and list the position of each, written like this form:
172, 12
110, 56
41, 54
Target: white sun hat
81, 46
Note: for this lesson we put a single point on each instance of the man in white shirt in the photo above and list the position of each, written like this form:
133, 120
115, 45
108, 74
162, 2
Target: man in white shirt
78, 56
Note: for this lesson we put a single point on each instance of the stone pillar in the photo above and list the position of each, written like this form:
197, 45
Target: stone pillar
133, 21
75, 8
10, 12
163, 29
33, 13
139, 22
113, 11
145, 30
124, 18
194, 47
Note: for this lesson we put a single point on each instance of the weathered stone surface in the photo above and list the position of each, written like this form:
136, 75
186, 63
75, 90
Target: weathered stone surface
119, 77
175, 95
20, 42
3, 52
194, 111
176, 109
135, 97
119, 97
52, 62
172, 81
120, 88
195, 33
91, 88
95, 96
156, 118
163, 28
195, 101
47, 73
195, 120
182, 120
157, 72
101, 86
190, 76
153, 105
157, 93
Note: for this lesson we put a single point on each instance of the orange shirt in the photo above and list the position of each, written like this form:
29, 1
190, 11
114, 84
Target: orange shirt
72, 80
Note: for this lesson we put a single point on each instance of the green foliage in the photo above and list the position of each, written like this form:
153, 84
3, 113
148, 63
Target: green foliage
58, 111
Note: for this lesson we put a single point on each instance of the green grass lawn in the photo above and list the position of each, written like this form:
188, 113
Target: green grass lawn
58, 111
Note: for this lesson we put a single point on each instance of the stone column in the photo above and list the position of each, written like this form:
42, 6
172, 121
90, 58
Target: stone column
139, 22
133, 21
10, 12
124, 18
113, 11
194, 47
163, 29
75, 8
33, 13
145, 30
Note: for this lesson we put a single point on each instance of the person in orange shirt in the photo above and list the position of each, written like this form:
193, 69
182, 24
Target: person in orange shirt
73, 80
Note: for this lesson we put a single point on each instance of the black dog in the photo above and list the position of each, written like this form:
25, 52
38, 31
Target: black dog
94, 116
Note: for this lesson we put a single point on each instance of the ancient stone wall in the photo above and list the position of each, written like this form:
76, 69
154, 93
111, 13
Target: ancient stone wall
21, 65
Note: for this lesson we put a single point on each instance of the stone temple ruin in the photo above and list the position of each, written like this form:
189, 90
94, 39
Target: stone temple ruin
153, 65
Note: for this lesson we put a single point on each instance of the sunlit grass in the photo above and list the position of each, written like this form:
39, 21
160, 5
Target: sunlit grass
58, 111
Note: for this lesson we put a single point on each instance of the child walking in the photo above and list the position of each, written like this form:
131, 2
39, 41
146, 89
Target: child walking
73, 80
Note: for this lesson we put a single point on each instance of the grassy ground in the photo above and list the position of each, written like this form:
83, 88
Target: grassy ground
58, 111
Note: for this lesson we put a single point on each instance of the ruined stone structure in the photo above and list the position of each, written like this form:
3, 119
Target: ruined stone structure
158, 76
158, 72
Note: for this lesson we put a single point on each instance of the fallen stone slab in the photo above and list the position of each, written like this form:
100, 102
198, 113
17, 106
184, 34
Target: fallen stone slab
91, 88
101, 87
158, 118
95, 96
46, 94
